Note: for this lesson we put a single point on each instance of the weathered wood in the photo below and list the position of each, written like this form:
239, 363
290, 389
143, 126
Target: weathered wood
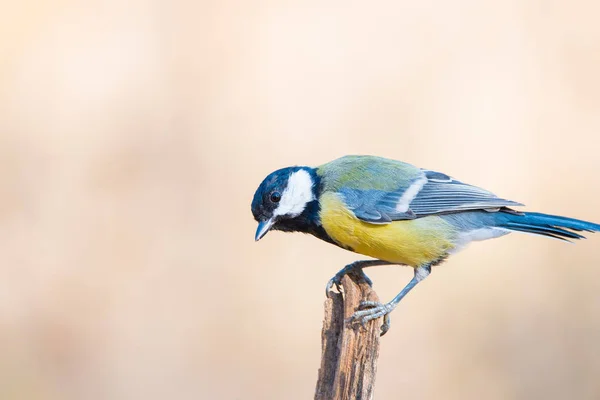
349, 352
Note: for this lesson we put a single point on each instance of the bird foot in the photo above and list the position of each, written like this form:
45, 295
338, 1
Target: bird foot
337, 280
370, 310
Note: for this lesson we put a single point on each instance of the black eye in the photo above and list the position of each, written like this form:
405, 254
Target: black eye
275, 197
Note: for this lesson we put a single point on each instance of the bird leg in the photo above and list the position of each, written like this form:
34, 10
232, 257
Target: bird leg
355, 267
370, 310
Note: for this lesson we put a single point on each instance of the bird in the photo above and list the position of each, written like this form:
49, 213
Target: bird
395, 213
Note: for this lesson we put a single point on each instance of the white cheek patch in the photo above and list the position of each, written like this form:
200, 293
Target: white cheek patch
296, 195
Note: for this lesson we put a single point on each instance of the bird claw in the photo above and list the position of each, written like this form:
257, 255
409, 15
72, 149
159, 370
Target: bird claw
385, 327
370, 310
337, 281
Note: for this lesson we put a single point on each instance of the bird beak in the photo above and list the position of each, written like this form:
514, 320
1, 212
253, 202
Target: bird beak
263, 228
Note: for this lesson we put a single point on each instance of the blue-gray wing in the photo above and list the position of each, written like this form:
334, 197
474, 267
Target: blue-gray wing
375, 206
428, 194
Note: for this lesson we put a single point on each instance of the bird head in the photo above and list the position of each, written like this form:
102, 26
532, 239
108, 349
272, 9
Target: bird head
282, 198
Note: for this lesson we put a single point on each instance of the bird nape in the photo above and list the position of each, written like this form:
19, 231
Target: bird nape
394, 212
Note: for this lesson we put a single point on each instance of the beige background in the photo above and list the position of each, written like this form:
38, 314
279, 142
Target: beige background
132, 138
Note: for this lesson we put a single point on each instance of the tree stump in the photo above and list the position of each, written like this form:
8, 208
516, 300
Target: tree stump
349, 352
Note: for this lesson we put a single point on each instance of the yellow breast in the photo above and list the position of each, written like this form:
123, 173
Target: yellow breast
412, 242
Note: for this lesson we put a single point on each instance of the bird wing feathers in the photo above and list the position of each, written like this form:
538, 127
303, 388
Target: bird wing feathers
380, 191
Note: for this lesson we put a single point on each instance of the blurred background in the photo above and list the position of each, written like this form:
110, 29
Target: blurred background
133, 135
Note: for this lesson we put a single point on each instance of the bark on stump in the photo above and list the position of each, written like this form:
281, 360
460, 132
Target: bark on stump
349, 352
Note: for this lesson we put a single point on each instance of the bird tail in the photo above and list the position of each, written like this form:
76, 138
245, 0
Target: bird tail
547, 225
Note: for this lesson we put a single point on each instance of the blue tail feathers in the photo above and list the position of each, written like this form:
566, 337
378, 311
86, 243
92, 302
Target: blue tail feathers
547, 225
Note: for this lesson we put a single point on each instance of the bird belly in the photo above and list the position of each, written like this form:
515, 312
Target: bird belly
412, 242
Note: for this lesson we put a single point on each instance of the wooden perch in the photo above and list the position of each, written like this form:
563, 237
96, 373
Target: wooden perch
349, 352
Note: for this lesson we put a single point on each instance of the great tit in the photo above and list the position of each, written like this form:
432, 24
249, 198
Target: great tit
394, 212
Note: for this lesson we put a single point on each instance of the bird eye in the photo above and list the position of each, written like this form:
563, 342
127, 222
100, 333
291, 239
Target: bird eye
275, 197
